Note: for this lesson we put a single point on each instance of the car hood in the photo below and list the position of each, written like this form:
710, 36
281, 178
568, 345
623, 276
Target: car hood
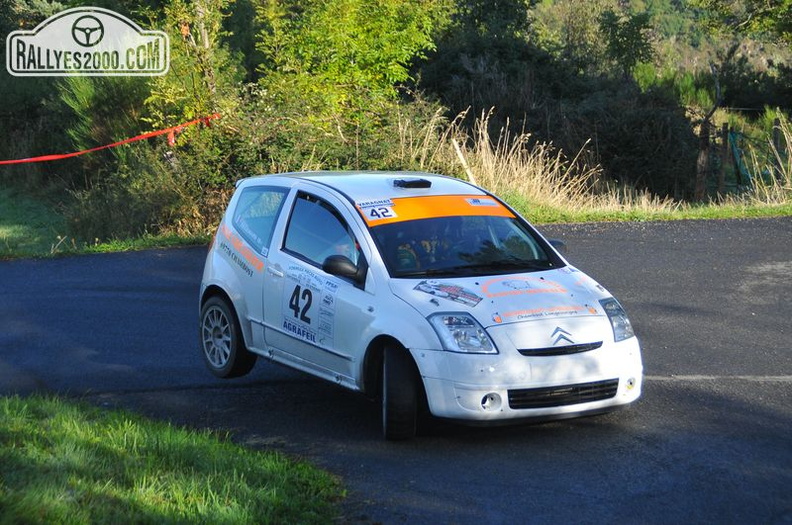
504, 299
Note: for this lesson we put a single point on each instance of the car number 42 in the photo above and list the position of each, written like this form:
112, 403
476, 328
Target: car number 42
382, 212
300, 303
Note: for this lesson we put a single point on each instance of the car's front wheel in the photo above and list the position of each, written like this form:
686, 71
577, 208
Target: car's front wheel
400, 394
222, 345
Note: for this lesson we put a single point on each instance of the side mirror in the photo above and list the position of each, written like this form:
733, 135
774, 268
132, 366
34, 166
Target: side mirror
559, 245
342, 266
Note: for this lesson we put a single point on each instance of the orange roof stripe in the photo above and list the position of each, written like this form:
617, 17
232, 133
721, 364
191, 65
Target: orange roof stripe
386, 211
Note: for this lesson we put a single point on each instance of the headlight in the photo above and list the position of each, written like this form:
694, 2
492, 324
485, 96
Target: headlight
461, 333
622, 328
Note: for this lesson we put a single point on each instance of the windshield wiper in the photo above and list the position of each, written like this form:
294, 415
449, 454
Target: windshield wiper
438, 272
500, 266
510, 264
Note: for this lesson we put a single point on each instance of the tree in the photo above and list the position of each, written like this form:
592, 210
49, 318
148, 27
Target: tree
572, 34
203, 76
626, 39
347, 50
331, 71
485, 58
498, 20
24, 114
751, 17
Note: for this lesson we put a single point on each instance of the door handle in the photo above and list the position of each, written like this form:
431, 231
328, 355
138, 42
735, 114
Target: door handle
275, 270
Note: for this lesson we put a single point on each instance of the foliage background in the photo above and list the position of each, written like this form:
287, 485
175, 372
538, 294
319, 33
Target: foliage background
609, 99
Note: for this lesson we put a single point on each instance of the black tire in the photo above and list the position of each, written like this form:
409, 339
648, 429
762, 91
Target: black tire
220, 338
400, 395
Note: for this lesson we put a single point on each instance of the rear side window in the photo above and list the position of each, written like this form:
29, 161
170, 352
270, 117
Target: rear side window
316, 230
256, 213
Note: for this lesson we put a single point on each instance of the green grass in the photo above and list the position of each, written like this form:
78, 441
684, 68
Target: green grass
68, 462
30, 228
546, 215
27, 226
142, 243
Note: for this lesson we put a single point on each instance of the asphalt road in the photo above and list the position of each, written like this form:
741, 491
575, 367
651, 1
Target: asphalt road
709, 442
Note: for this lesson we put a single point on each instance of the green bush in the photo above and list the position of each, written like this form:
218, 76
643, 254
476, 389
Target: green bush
154, 191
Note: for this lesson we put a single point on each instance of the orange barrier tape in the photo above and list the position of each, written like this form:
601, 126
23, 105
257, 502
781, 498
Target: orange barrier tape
171, 132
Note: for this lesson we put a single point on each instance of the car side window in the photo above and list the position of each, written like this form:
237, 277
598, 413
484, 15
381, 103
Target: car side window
255, 214
316, 231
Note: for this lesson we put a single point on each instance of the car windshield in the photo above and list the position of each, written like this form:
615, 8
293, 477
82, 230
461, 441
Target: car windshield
460, 246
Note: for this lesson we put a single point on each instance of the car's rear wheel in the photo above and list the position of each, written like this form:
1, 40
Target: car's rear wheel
222, 345
400, 394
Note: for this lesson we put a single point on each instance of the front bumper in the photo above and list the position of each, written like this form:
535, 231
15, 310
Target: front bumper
491, 388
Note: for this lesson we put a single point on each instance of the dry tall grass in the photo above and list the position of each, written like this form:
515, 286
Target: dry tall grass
772, 181
531, 174
519, 166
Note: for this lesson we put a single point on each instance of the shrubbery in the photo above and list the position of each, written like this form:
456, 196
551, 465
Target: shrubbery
373, 84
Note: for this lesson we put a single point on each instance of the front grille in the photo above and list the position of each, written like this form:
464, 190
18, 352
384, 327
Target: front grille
560, 350
556, 396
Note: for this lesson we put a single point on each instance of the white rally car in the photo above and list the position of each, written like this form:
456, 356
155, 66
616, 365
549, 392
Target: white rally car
421, 290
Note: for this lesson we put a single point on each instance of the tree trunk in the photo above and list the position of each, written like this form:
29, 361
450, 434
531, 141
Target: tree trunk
725, 158
702, 164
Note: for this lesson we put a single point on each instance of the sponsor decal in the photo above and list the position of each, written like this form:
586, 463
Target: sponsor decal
482, 202
87, 41
311, 299
505, 286
299, 331
544, 312
516, 284
375, 203
450, 291
235, 249
377, 210
537, 313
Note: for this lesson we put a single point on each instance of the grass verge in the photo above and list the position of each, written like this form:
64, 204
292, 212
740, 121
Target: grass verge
540, 214
27, 226
31, 228
145, 242
66, 462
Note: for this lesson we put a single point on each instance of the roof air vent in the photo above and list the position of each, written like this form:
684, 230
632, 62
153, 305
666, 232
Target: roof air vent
412, 183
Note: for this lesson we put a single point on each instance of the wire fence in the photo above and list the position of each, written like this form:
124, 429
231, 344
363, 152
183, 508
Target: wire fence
732, 162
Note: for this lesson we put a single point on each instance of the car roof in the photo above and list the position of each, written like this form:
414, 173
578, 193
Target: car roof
367, 186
